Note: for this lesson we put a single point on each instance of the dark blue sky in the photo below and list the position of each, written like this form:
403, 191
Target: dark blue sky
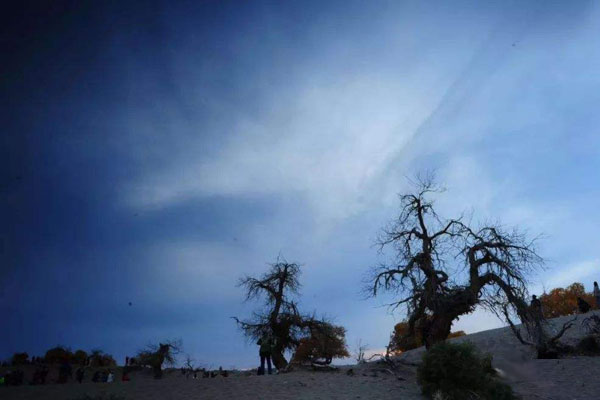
156, 154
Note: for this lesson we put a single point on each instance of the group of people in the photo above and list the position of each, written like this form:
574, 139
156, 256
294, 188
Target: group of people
101, 376
12, 378
204, 373
16, 377
40, 374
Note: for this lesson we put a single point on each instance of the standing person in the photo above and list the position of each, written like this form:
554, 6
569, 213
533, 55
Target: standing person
44, 374
79, 374
536, 306
65, 372
265, 343
110, 377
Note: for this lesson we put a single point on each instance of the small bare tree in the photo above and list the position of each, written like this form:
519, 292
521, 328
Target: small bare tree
189, 363
156, 355
361, 348
443, 268
281, 317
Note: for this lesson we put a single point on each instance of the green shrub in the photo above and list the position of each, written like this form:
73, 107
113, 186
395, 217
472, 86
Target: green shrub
459, 372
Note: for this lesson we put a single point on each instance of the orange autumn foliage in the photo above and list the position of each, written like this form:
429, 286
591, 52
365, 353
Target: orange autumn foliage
563, 301
400, 342
327, 344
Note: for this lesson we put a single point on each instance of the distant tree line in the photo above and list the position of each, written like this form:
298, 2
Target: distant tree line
63, 354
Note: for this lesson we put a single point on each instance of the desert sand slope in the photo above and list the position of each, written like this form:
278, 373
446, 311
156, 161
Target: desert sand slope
564, 379
567, 378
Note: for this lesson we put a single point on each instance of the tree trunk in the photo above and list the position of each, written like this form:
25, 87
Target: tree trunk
279, 360
436, 330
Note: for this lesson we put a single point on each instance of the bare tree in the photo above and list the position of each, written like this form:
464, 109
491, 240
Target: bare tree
443, 268
280, 317
360, 351
156, 355
189, 363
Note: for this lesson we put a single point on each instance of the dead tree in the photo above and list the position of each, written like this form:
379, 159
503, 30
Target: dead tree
281, 317
361, 348
189, 364
536, 329
443, 268
155, 356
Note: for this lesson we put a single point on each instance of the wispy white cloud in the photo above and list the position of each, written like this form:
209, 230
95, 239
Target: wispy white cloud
327, 147
585, 271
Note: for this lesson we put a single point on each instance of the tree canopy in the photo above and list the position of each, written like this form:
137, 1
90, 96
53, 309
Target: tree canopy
323, 345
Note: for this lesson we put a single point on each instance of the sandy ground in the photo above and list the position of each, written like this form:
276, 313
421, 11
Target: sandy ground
565, 379
293, 385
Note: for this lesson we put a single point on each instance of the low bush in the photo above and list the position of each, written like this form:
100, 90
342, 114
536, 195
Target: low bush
458, 371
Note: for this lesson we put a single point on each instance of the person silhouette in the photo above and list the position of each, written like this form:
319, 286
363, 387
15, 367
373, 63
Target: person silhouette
536, 307
265, 343
583, 305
